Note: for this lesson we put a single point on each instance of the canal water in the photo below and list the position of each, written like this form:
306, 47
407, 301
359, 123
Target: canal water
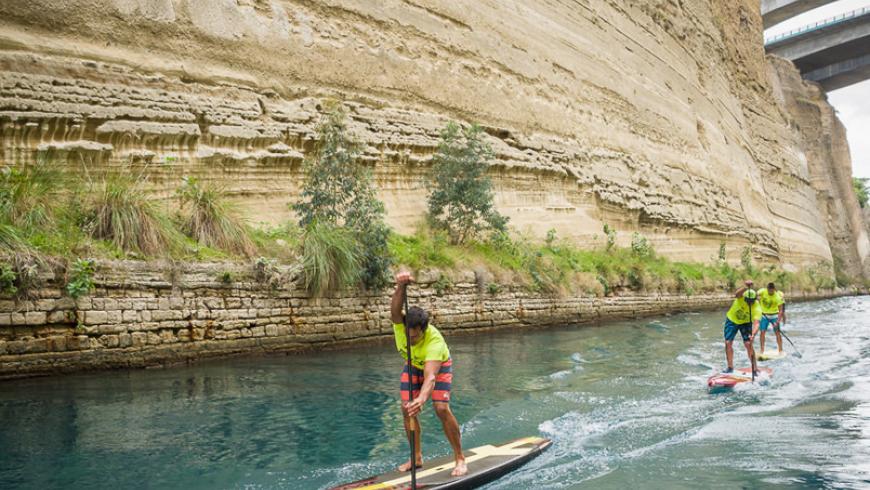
626, 404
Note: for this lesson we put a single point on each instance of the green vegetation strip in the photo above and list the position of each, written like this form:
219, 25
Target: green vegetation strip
54, 218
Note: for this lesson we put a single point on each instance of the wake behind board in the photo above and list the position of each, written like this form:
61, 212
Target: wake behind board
485, 464
741, 375
771, 355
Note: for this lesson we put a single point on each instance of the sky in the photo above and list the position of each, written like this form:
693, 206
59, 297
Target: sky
852, 103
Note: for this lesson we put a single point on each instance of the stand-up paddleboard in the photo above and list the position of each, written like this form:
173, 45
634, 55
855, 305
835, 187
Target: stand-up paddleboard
741, 375
770, 355
485, 464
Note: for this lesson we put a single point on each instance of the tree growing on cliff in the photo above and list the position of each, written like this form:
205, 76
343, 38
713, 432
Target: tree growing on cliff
861, 192
461, 198
338, 192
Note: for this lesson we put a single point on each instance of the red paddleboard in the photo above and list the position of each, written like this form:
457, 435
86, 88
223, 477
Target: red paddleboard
741, 375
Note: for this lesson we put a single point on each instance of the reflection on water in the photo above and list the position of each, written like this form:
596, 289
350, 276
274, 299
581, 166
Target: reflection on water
625, 403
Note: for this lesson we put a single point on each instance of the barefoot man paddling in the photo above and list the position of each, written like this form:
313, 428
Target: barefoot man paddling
430, 376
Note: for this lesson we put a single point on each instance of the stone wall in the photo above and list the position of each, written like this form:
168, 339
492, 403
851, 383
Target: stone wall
142, 315
655, 116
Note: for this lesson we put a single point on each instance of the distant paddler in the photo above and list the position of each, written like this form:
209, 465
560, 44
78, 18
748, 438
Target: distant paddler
743, 316
772, 313
431, 374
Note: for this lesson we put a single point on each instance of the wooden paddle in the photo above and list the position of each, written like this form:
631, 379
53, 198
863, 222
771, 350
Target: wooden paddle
412, 430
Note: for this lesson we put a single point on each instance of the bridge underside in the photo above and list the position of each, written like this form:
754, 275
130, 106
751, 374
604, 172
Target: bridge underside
775, 11
835, 56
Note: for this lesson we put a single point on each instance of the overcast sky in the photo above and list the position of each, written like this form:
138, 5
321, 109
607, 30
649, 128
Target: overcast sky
853, 102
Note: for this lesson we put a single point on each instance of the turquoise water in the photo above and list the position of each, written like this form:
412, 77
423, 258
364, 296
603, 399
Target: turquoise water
626, 404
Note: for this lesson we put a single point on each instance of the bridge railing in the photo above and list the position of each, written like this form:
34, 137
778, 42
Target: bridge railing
816, 26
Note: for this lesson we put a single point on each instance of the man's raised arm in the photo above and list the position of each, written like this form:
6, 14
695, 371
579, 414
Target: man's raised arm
402, 279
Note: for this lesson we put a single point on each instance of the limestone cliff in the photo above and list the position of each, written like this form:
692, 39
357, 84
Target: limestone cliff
657, 115
824, 145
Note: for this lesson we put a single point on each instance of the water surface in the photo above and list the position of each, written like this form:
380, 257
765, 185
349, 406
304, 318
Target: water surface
626, 404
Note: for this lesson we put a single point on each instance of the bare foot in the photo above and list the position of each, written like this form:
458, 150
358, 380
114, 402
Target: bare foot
406, 466
460, 469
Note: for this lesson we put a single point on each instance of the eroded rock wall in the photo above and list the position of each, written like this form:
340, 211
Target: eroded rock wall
824, 144
654, 115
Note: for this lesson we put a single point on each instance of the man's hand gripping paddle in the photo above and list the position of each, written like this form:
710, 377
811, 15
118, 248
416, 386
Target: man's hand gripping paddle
412, 423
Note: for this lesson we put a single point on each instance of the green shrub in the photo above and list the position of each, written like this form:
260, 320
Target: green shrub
121, 212
635, 277
227, 277
7, 280
461, 197
610, 233
493, 288
722, 253
640, 246
338, 191
442, 284
211, 220
604, 284
81, 278
331, 260
861, 192
266, 272
551, 238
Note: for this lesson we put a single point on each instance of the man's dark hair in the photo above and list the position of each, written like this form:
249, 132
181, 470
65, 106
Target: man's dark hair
417, 317
771, 285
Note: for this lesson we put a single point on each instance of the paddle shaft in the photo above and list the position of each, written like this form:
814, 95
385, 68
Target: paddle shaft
786, 336
752, 361
411, 425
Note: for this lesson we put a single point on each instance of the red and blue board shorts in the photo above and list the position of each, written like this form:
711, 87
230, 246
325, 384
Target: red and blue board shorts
443, 380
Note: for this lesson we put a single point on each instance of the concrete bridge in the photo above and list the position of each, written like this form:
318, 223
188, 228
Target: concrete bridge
775, 11
834, 52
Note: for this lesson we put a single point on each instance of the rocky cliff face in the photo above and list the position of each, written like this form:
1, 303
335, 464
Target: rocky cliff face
657, 116
824, 145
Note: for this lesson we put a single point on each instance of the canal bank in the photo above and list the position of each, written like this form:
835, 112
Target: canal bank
143, 315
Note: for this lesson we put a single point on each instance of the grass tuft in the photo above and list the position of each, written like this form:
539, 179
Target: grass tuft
330, 259
211, 220
121, 212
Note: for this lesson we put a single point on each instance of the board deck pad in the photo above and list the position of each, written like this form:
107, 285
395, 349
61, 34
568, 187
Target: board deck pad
485, 464
771, 355
741, 375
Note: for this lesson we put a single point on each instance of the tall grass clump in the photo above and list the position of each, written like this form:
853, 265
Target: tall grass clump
338, 191
120, 211
331, 259
207, 217
28, 194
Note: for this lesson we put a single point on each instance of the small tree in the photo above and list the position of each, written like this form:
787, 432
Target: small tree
461, 200
338, 191
861, 192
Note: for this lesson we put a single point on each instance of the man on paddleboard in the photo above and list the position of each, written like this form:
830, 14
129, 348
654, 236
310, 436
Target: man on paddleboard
741, 318
431, 374
772, 313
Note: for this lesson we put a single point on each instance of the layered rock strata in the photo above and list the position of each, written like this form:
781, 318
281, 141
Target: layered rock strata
655, 116
823, 143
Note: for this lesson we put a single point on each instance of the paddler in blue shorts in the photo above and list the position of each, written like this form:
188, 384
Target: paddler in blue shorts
743, 316
431, 374
772, 313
